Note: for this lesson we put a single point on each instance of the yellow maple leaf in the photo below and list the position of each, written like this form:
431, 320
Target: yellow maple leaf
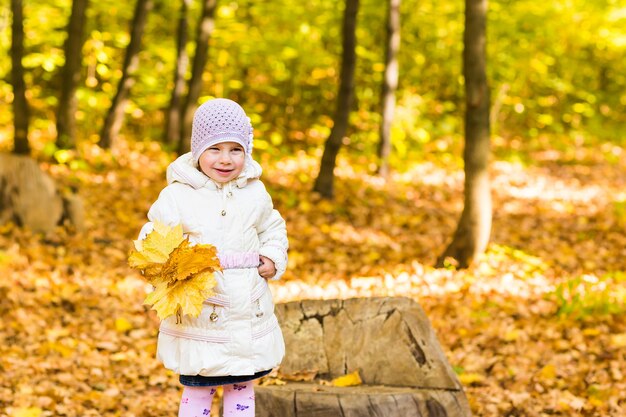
186, 260
137, 259
182, 274
152, 273
348, 380
157, 246
184, 296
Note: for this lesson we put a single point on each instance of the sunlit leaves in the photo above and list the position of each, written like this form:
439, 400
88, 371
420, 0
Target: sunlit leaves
591, 296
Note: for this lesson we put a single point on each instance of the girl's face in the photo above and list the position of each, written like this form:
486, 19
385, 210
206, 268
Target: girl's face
222, 162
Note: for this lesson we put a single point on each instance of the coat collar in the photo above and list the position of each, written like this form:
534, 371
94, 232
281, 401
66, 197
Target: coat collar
184, 170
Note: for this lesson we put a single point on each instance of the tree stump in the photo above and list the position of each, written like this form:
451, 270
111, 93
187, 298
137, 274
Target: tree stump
29, 197
389, 340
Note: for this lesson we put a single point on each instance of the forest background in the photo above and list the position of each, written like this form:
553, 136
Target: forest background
534, 327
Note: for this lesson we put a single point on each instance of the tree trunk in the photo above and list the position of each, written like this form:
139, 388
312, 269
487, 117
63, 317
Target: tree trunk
29, 197
390, 84
326, 176
206, 25
66, 112
20, 105
472, 233
115, 116
172, 120
315, 400
389, 340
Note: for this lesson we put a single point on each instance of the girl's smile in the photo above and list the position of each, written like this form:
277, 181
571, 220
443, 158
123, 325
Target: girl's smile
222, 162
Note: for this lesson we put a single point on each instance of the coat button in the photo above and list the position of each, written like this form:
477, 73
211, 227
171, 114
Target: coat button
230, 194
223, 212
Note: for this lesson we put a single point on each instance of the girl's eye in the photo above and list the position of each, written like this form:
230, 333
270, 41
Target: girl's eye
237, 150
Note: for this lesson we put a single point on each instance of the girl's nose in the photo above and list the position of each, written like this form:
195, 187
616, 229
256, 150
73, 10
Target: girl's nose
225, 157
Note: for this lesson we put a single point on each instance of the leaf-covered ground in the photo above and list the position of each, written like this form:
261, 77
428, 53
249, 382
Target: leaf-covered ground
536, 328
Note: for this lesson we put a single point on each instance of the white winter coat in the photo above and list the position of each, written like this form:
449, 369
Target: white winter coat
239, 219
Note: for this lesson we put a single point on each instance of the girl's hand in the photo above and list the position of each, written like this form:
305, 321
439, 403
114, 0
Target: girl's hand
267, 269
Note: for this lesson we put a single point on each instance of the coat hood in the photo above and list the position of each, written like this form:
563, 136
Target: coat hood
185, 171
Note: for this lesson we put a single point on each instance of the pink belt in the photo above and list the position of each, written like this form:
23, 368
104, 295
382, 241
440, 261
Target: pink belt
239, 260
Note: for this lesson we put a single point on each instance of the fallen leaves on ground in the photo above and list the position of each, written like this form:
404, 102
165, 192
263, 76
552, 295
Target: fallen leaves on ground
348, 380
535, 328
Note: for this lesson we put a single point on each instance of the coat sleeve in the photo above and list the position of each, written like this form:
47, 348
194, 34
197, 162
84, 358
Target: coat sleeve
163, 210
272, 232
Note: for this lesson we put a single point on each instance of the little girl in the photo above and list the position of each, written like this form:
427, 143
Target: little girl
215, 192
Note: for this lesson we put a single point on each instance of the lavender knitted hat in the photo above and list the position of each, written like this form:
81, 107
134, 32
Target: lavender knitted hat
220, 120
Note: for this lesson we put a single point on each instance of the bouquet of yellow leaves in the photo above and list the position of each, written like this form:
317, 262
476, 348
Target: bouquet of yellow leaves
182, 274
